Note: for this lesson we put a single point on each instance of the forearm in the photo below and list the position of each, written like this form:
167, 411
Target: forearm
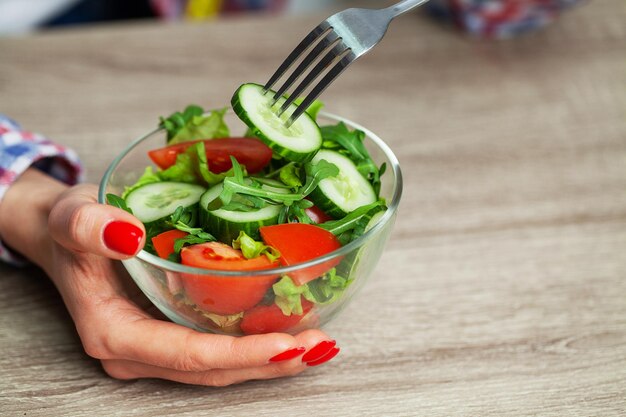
24, 214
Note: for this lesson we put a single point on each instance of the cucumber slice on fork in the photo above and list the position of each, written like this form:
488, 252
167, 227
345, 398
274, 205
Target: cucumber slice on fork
298, 142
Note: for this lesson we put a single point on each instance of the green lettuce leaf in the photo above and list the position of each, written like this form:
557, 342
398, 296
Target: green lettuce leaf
253, 249
191, 166
184, 170
203, 166
192, 124
323, 290
288, 296
290, 175
177, 121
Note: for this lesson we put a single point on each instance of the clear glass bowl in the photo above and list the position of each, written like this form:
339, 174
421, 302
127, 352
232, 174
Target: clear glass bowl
163, 282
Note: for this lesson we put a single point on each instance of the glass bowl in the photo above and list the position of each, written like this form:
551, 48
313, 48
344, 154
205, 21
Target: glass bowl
165, 282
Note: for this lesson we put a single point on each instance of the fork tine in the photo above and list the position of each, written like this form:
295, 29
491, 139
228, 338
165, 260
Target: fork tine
321, 86
329, 39
302, 46
337, 51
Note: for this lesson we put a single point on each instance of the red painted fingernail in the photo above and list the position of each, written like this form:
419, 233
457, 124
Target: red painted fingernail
288, 354
319, 350
331, 354
122, 237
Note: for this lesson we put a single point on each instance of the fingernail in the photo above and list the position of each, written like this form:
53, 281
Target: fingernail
331, 354
122, 237
319, 350
288, 354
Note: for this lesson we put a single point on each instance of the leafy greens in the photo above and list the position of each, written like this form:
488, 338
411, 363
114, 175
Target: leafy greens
192, 124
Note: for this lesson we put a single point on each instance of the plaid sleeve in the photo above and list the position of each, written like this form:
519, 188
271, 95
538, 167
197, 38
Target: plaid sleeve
19, 150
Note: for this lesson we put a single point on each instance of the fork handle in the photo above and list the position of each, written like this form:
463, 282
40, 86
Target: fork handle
404, 6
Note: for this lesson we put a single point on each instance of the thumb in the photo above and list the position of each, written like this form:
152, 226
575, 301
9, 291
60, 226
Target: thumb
79, 223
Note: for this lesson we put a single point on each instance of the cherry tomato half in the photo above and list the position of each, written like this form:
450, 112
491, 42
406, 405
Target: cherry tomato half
317, 215
221, 294
164, 242
268, 319
250, 152
299, 242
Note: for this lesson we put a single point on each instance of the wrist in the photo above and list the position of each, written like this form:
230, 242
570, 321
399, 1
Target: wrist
24, 212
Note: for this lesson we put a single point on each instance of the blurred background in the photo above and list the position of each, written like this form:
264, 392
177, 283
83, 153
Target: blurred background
19, 16
486, 18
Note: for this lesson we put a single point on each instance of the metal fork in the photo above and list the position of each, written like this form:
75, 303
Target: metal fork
338, 40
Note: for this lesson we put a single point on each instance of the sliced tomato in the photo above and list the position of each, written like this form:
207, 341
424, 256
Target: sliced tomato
250, 152
317, 215
268, 319
299, 242
221, 294
164, 243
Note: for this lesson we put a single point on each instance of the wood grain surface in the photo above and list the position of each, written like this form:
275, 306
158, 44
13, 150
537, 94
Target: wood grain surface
503, 289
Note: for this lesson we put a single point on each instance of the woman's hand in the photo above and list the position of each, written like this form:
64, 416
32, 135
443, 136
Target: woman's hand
111, 314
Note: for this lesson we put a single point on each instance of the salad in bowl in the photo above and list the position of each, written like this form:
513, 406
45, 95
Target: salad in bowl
269, 230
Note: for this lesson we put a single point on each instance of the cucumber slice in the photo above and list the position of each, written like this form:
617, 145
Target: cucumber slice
295, 143
225, 225
349, 190
160, 199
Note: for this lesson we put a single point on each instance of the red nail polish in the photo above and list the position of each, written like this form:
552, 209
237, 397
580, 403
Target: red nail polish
331, 354
288, 354
318, 350
122, 237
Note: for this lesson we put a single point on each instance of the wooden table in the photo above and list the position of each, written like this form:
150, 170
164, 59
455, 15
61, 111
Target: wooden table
503, 289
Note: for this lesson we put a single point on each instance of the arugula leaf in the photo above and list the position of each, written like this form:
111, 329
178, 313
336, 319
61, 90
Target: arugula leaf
283, 215
327, 288
352, 219
193, 125
253, 249
183, 215
118, 202
185, 219
297, 211
231, 186
363, 225
351, 143
192, 240
237, 185
244, 203
316, 173
270, 182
